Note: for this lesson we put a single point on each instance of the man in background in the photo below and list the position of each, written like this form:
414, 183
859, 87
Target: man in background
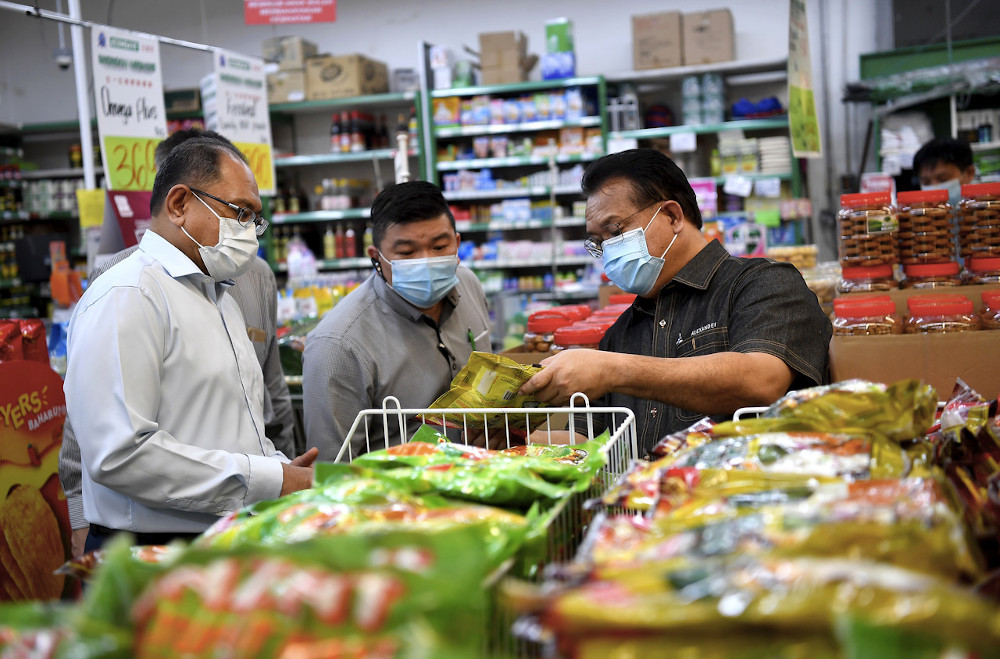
255, 291
945, 163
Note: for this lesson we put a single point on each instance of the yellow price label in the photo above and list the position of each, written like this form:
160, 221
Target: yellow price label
259, 157
129, 162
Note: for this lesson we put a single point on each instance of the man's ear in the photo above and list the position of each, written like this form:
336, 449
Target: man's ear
673, 211
175, 204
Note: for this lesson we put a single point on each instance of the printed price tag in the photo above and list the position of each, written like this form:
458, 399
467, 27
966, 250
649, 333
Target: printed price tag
741, 186
683, 142
768, 187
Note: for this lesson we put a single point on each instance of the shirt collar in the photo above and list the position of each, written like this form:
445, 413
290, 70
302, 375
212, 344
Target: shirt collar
173, 260
698, 272
396, 303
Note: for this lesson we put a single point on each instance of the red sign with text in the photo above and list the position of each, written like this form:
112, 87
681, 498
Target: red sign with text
286, 12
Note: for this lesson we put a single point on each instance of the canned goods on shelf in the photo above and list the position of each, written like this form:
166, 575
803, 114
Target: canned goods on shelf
867, 315
931, 275
926, 227
860, 279
979, 220
867, 223
940, 314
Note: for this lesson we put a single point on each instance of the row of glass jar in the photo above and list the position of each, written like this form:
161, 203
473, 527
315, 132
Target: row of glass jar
920, 230
866, 279
928, 314
572, 326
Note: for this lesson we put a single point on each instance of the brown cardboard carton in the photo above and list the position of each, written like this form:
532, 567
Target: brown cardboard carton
657, 40
286, 87
604, 294
502, 75
937, 359
338, 76
708, 37
289, 52
522, 356
498, 49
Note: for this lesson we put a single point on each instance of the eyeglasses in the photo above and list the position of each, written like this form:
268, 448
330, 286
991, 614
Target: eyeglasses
596, 247
244, 215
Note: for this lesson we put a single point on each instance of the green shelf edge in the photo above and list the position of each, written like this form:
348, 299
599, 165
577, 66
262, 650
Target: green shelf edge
740, 124
515, 87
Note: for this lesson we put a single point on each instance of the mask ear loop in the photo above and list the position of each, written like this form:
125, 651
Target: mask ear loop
647, 228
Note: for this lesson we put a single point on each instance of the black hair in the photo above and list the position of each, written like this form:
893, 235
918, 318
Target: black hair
164, 148
404, 203
196, 162
943, 149
652, 175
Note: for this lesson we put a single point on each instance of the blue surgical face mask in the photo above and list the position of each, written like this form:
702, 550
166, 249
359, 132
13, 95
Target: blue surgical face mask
424, 282
954, 188
628, 263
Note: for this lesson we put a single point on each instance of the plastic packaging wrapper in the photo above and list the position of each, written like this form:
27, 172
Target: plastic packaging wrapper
348, 504
902, 411
398, 594
489, 381
517, 476
56, 631
910, 523
727, 598
83, 567
291, 343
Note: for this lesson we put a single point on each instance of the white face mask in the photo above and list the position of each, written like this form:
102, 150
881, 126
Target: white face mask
954, 188
235, 252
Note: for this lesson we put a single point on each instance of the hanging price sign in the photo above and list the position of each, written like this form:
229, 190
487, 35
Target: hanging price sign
131, 115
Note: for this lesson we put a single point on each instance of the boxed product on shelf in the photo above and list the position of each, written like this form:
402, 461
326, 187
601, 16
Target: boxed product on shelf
900, 296
708, 37
558, 65
559, 35
337, 76
405, 80
502, 49
656, 40
286, 86
289, 52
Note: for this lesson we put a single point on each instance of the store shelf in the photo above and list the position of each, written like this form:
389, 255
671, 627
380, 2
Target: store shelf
321, 216
514, 161
499, 193
666, 131
10, 183
500, 225
333, 264
508, 264
516, 87
371, 100
498, 129
25, 216
62, 172
334, 158
784, 176
984, 146
11, 283
738, 67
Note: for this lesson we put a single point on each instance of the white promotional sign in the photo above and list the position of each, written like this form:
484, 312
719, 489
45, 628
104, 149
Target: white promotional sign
235, 100
131, 114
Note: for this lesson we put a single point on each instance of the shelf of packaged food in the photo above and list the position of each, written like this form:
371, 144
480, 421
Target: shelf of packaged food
61, 172
10, 151
740, 124
334, 158
25, 216
784, 176
503, 225
321, 216
503, 129
535, 191
332, 264
13, 282
516, 87
514, 161
984, 146
573, 292
504, 264
10, 183
351, 101
738, 67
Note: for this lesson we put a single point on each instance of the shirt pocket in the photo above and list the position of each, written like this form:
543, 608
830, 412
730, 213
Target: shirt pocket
705, 343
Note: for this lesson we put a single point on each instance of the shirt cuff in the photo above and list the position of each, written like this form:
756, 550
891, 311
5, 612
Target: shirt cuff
76, 518
266, 477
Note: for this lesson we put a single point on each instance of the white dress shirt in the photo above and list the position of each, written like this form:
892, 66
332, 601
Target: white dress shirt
165, 395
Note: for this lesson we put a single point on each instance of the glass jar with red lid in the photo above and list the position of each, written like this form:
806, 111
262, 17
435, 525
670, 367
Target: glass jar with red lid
861, 279
867, 223
932, 275
621, 298
989, 317
541, 329
578, 336
574, 311
979, 221
982, 270
926, 227
866, 315
940, 314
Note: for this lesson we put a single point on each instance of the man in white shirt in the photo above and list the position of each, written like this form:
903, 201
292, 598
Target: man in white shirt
162, 387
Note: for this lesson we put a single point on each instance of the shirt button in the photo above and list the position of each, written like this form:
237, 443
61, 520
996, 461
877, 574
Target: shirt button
652, 413
663, 323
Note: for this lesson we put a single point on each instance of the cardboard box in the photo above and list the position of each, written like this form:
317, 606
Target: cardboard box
502, 75
708, 37
286, 87
289, 52
502, 49
657, 41
522, 356
604, 294
337, 76
937, 359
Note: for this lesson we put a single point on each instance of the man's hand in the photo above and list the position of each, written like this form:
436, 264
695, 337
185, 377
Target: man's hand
77, 541
587, 371
298, 474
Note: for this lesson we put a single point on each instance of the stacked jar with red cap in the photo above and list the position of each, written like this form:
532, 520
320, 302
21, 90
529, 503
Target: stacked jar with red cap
979, 232
940, 314
927, 239
867, 225
865, 315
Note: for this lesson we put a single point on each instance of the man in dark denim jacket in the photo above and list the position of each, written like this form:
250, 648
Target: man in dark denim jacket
708, 333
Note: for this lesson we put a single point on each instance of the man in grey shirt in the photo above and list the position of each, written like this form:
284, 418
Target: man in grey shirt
405, 332
256, 293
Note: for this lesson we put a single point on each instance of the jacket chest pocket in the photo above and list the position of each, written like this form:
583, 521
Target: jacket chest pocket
705, 343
